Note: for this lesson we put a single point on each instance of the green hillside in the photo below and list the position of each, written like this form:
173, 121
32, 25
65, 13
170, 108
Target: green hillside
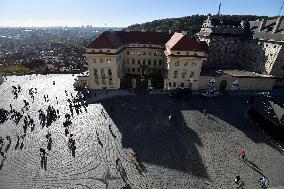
192, 24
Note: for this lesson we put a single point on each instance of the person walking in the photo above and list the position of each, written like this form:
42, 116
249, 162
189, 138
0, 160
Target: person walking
263, 182
242, 153
239, 182
43, 158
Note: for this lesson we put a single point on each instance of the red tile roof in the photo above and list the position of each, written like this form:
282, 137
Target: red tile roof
113, 40
186, 43
106, 40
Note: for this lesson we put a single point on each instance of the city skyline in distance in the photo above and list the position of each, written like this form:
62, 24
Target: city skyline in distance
112, 13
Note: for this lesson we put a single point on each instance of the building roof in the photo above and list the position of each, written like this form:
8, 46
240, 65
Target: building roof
224, 22
106, 40
186, 43
266, 31
116, 39
176, 41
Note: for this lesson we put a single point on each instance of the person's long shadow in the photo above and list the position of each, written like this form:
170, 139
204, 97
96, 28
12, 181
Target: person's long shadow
171, 144
1, 165
254, 167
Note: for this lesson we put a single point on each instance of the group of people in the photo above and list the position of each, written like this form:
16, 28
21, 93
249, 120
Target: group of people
50, 116
76, 103
240, 184
16, 91
46, 117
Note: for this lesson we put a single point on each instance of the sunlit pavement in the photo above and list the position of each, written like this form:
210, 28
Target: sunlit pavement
191, 150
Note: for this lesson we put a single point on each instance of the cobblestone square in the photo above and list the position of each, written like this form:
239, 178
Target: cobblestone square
189, 149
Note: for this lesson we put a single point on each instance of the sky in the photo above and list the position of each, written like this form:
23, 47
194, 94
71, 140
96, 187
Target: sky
121, 13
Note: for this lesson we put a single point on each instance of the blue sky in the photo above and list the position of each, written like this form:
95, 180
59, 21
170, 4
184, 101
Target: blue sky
121, 12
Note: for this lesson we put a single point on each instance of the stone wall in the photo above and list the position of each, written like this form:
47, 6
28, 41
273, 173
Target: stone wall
223, 50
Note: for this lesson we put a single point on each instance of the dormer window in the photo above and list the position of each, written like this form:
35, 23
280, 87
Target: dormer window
100, 51
108, 51
93, 51
178, 52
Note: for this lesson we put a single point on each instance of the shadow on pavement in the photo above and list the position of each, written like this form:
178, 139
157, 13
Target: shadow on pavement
145, 126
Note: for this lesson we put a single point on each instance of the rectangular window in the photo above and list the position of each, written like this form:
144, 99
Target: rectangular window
160, 62
128, 69
191, 74
144, 53
127, 61
177, 63
183, 74
103, 73
133, 61
109, 72
127, 53
94, 61
144, 62
138, 62
108, 50
175, 74
103, 81
138, 69
101, 60
150, 53
155, 62
185, 64
96, 73
155, 53
96, 76
110, 81
149, 62
133, 69
174, 84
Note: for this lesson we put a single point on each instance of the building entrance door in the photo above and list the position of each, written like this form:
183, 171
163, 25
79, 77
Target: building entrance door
223, 85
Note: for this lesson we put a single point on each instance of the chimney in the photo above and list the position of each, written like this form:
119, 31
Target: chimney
276, 27
262, 24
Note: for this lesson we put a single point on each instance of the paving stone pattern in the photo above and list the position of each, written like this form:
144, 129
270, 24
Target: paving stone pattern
191, 150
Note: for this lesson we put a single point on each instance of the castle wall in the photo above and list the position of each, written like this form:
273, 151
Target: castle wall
224, 50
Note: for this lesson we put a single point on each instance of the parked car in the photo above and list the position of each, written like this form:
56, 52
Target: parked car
210, 93
183, 93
